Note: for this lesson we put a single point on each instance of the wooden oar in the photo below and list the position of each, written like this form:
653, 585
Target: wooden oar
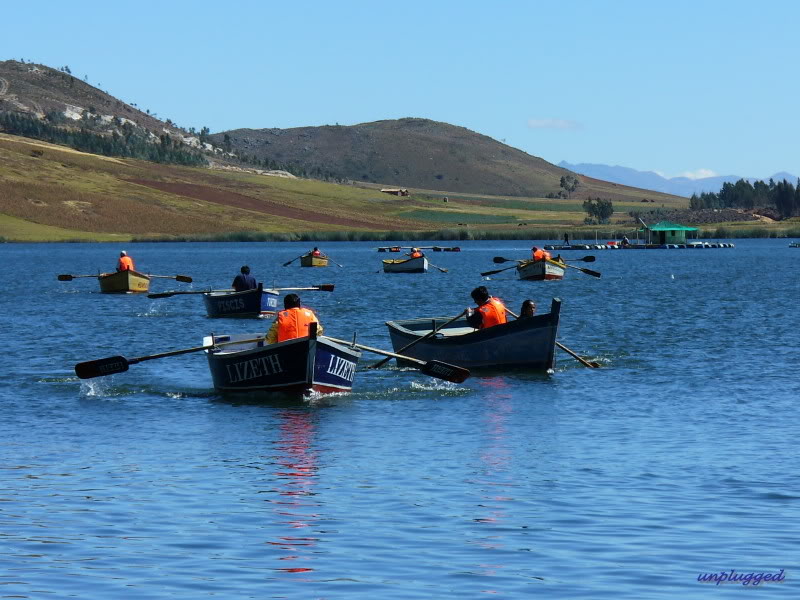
435, 267
428, 335
120, 364
500, 259
497, 271
325, 287
433, 368
288, 262
334, 262
583, 361
587, 271
66, 277
181, 292
580, 359
181, 278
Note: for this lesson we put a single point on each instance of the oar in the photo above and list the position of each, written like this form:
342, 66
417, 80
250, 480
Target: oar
583, 361
176, 293
324, 287
334, 262
120, 364
587, 271
584, 259
580, 359
66, 277
498, 271
435, 267
181, 278
288, 262
433, 368
500, 259
430, 334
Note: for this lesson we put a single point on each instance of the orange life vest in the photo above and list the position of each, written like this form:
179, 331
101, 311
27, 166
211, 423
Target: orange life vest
293, 323
540, 254
494, 313
125, 264
416, 254
316, 253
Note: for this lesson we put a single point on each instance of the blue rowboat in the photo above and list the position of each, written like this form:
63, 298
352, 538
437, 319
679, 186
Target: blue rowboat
528, 343
294, 367
247, 304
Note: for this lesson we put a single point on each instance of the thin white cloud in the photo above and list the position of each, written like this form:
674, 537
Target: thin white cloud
553, 124
698, 174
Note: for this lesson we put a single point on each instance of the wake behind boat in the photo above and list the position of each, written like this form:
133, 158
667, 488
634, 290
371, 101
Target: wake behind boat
527, 343
298, 366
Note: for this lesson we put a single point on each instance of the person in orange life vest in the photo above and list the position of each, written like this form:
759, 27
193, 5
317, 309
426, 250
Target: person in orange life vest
539, 254
316, 253
125, 262
490, 311
292, 322
415, 253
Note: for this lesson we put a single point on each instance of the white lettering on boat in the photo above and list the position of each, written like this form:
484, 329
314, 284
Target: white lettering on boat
230, 305
254, 368
340, 367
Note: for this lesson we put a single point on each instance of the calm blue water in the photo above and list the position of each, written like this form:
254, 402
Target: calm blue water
679, 457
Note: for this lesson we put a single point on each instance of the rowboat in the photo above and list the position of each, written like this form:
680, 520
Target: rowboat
124, 282
407, 265
794, 245
246, 304
541, 270
313, 261
527, 343
295, 367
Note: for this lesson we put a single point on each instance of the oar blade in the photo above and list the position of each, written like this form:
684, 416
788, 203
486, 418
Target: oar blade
183, 278
588, 259
442, 370
485, 273
65, 277
325, 287
101, 367
161, 295
590, 272
500, 259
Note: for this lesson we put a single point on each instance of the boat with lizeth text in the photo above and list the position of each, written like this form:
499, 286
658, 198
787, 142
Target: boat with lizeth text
409, 265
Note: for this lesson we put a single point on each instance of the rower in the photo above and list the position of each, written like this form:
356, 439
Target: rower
539, 254
244, 281
316, 253
125, 262
415, 253
489, 312
292, 322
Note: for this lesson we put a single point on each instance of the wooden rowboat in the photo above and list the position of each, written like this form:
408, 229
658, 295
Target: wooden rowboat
541, 270
313, 261
247, 304
124, 282
408, 265
794, 245
528, 343
295, 367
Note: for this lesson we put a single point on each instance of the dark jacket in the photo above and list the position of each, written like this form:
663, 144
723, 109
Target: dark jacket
242, 282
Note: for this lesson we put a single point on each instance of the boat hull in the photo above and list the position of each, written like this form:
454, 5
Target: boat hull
248, 304
124, 282
524, 343
410, 265
313, 261
295, 367
541, 270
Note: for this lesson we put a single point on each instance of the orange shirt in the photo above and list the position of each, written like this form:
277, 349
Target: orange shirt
493, 313
292, 323
416, 254
316, 253
125, 264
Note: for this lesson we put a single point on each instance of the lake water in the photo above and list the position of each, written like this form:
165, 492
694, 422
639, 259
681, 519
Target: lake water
679, 457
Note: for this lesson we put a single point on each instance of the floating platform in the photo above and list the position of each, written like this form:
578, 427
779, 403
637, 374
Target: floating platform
615, 246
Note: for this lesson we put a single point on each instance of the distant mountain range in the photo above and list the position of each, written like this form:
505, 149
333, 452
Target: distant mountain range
679, 186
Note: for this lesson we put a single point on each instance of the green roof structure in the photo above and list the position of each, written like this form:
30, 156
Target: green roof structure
666, 232
670, 226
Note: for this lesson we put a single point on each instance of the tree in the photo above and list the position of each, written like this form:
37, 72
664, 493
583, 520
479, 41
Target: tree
569, 184
599, 209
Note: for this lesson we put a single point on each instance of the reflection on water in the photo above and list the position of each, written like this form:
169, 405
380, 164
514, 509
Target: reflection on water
295, 479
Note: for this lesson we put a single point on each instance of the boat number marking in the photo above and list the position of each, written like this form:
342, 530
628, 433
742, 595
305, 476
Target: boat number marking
340, 367
230, 305
253, 368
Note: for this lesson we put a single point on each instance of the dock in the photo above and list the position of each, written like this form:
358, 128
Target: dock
617, 246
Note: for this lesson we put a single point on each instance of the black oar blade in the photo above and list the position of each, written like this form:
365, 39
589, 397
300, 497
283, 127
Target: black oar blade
65, 277
590, 272
326, 287
101, 367
500, 259
486, 273
588, 259
183, 278
445, 371
161, 295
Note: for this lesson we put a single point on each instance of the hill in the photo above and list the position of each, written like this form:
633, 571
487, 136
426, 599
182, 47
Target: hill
678, 186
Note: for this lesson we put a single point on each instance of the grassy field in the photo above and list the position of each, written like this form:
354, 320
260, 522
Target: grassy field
52, 193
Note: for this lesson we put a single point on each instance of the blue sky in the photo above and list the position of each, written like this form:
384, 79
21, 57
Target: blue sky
675, 87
